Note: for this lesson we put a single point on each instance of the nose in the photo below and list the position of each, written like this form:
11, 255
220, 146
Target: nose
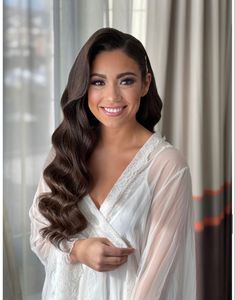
113, 93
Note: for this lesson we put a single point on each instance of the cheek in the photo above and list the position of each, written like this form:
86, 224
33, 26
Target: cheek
135, 98
92, 99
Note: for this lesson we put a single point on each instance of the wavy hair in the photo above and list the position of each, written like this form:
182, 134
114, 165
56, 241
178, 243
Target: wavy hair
75, 138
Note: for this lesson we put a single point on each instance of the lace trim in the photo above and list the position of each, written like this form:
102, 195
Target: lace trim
137, 164
99, 219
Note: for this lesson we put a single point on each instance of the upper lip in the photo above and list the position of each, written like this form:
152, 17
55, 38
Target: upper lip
108, 106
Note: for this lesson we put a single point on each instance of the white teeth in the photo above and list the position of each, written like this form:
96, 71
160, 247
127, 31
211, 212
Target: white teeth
113, 110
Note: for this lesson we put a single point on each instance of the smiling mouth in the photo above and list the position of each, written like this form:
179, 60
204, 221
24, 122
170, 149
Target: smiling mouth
113, 111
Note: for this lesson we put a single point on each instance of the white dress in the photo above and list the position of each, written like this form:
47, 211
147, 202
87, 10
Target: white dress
150, 209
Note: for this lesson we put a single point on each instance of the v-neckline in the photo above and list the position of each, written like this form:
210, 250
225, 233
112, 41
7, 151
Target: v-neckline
116, 185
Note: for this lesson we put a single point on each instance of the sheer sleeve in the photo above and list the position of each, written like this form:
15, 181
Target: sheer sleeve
39, 245
167, 268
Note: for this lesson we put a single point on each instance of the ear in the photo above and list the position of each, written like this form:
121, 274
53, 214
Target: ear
146, 84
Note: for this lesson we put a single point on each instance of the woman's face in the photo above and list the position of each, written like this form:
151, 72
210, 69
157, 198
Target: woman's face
115, 88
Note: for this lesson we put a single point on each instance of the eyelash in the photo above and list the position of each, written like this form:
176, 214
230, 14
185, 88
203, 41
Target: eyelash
126, 81
97, 82
129, 81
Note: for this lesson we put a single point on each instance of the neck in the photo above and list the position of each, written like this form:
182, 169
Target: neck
121, 137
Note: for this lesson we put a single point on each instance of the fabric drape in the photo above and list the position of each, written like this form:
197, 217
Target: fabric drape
148, 208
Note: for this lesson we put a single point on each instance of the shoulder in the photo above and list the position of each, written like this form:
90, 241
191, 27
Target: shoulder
165, 154
166, 162
169, 156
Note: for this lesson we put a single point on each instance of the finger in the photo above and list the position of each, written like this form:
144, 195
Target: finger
109, 267
115, 261
114, 251
107, 242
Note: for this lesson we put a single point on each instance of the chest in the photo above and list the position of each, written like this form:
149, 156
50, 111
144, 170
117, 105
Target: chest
106, 170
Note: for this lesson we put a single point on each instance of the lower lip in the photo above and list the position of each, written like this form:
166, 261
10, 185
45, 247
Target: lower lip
113, 114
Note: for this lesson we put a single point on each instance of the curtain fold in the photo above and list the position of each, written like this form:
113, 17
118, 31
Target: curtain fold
28, 121
196, 89
11, 278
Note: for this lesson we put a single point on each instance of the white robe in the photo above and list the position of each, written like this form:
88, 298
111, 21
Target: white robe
150, 209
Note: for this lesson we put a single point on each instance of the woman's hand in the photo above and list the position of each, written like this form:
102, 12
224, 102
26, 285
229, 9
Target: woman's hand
99, 254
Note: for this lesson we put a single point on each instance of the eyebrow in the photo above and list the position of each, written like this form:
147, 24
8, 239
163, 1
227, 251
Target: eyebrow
118, 76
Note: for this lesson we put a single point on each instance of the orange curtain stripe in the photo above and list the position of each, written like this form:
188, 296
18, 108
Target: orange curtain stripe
213, 221
209, 192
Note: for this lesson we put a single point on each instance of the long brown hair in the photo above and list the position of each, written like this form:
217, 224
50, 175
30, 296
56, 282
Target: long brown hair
74, 140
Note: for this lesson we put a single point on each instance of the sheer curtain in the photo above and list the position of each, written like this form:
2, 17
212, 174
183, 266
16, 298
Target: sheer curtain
28, 122
189, 44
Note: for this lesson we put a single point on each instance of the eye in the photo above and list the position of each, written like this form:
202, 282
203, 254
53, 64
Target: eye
97, 82
127, 81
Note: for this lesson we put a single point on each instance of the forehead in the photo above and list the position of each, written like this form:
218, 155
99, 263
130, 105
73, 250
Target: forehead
115, 60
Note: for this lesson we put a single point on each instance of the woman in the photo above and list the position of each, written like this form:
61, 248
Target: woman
112, 216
